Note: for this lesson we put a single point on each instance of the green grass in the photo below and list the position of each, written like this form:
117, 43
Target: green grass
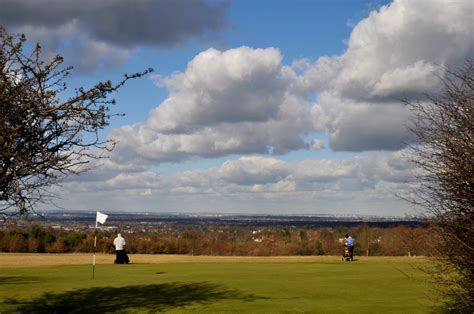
390, 285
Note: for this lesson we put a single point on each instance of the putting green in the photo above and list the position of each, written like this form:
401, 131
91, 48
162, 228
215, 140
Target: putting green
214, 284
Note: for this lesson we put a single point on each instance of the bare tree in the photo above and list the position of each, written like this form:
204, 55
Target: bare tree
43, 134
444, 126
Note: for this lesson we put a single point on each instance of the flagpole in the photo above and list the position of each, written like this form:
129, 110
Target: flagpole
95, 244
99, 217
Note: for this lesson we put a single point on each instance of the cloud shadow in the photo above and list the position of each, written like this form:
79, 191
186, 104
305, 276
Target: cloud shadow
159, 297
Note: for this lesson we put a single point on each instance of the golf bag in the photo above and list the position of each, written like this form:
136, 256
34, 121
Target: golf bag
121, 257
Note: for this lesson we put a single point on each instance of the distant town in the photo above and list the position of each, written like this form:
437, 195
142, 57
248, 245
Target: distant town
129, 221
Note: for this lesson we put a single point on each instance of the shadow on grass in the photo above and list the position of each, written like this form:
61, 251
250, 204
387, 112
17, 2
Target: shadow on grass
16, 280
157, 297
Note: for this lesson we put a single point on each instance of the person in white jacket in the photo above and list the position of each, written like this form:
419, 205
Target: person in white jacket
120, 256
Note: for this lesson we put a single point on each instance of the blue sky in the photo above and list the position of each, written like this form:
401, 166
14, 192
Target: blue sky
278, 107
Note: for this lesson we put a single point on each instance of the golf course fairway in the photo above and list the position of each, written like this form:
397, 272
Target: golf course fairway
62, 283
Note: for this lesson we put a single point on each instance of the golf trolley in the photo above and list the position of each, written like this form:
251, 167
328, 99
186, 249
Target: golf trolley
346, 254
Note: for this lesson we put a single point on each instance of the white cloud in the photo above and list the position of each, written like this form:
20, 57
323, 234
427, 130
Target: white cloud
398, 52
237, 85
251, 179
406, 81
361, 126
408, 37
254, 170
231, 102
257, 173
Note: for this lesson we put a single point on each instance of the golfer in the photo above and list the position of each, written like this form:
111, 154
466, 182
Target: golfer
120, 255
350, 244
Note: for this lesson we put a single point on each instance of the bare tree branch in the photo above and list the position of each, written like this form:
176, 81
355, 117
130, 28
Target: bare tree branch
42, 137
444, 126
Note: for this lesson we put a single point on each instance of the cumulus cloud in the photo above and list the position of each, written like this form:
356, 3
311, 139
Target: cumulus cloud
98, 31
253, 170
398, 52
361, 126
232, 102
245, 101
312, 178
309, 175
237, 85
370, 178
99, 170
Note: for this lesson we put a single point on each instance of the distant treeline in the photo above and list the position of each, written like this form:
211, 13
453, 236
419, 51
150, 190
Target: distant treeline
225, 241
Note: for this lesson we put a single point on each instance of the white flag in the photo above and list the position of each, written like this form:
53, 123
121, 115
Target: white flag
101, 217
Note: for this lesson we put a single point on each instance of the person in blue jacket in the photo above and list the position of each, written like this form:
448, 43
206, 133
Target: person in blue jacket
350, 244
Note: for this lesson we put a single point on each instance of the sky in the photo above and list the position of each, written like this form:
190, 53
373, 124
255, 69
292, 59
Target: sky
254, 107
